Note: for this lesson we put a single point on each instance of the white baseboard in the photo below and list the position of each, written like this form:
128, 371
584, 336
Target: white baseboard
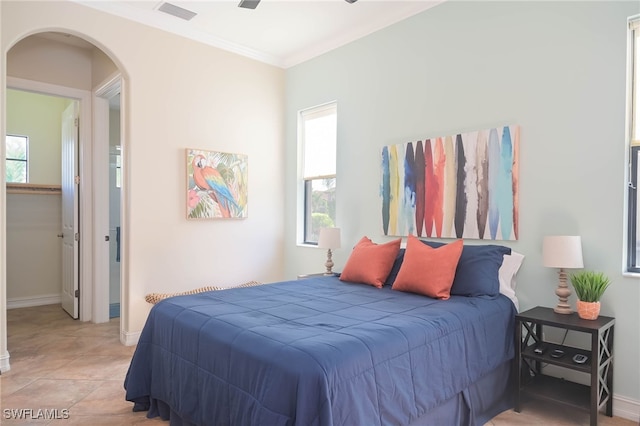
129, 339
4, 362
626, 408
26, 302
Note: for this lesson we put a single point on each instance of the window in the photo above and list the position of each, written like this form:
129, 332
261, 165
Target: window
115, 162
318, 130
17, 159
634, 217
633, 226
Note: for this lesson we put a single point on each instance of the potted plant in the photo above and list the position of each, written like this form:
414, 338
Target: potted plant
589, 286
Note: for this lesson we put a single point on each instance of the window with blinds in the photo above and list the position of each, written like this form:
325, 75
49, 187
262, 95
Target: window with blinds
318, 141
633, 227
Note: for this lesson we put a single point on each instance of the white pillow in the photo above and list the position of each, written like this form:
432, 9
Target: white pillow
507, 275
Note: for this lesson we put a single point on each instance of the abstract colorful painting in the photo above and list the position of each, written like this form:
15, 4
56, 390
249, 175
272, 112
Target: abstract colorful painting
216, 185
459, 186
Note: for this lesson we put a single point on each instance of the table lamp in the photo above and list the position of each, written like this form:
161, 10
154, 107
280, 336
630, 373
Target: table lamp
329, 238
564, 252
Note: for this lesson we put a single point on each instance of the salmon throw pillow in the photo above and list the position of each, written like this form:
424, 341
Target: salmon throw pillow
370, 263
427, 270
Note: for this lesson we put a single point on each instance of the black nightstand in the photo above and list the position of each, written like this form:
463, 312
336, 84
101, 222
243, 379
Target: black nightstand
531, 381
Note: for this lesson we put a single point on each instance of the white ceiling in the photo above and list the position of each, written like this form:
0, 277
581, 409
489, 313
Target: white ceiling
278, 32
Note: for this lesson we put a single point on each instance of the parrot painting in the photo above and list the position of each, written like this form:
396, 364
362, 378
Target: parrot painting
210, 180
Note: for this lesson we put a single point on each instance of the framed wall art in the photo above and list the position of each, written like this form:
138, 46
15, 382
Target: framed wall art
458, 186
217, 185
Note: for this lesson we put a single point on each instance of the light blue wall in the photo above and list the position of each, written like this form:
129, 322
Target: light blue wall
556, 69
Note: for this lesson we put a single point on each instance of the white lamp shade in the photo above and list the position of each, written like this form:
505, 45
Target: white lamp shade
329, 238
562, 251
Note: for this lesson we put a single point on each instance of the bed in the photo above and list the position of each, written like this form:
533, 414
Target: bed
325, 351
322, 351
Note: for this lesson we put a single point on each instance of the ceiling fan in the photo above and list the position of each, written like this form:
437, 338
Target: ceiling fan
252, 4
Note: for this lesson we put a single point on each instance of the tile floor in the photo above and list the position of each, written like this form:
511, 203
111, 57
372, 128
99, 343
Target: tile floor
78, 369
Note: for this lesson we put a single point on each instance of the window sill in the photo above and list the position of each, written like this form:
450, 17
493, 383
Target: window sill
631, 274
307, 245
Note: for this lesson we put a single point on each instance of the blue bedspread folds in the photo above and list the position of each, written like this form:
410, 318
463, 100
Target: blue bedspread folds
315, 352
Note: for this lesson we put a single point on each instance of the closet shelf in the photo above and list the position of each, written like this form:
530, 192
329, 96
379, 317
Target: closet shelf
33, 188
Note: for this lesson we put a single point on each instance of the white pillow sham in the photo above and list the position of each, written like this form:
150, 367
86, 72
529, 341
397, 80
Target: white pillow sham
507, 275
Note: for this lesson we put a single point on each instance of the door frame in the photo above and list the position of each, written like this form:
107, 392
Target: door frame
101, 95
86, 183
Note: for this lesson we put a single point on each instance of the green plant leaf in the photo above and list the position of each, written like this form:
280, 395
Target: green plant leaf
589, 285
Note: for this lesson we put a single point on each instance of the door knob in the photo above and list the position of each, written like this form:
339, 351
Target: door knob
60, 235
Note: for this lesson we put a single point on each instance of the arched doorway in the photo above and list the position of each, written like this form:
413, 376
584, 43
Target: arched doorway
68, 66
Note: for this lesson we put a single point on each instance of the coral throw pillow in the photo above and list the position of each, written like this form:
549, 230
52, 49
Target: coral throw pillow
427, 270
370, 263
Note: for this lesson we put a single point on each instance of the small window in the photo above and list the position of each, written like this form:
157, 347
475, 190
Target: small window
633, 201
634, 217
17, 159
118, 166
318, 136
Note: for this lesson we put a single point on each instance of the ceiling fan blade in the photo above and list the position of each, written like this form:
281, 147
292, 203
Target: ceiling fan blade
249, 4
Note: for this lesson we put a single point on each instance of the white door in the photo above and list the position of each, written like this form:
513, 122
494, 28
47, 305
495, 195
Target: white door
70, 237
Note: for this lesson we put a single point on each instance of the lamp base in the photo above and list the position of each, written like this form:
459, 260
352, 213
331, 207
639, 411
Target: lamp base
328, 264
563, 292
559, 309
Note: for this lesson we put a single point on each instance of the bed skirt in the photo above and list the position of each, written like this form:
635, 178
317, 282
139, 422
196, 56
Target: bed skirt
474, 406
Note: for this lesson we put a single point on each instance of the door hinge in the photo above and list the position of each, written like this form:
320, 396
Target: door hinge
77, 294
76, 180
75, 122
76, 236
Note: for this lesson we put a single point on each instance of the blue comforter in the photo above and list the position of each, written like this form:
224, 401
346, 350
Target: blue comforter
315, 352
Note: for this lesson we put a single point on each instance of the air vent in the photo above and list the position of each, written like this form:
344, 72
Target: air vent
177, 11
249, 4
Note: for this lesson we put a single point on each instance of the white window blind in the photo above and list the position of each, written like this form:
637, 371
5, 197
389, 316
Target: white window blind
319, 141
635, 82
